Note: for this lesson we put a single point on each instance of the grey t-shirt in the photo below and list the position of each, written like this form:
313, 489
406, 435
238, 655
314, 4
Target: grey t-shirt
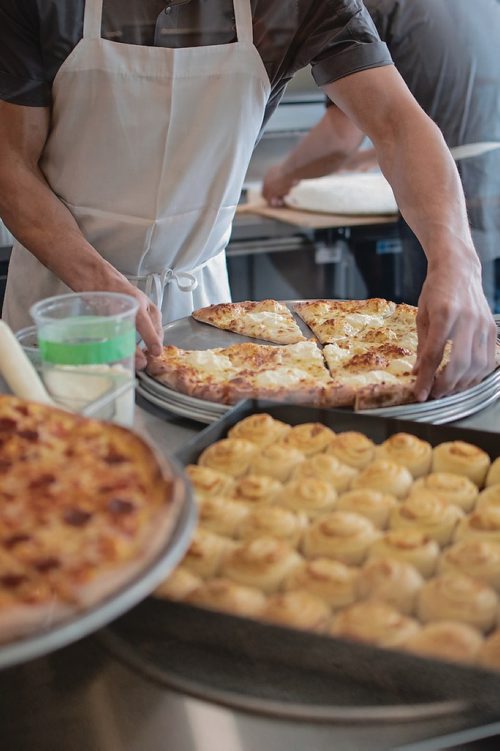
448, 52
337, 37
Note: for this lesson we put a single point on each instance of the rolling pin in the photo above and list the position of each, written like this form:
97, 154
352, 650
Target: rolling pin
18, 371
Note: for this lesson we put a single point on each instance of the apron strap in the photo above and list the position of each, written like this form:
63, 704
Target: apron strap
92, 19
244, 21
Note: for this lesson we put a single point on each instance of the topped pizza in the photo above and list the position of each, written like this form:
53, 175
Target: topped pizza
362, 354
268, 319
84, 506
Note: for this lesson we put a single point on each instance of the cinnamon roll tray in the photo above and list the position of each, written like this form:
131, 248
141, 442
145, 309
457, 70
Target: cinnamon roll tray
291, 672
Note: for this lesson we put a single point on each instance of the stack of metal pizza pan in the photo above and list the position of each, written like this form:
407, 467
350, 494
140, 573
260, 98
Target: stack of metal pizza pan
187, 333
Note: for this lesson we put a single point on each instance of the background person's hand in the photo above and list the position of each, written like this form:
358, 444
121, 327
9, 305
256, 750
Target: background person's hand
452, 306
277, 185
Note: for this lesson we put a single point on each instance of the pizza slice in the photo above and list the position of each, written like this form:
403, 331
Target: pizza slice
335, 319
379, 375
294, 373
269, 320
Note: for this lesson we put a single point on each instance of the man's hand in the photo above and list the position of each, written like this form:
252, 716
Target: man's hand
148, 320
277, 185
452, 307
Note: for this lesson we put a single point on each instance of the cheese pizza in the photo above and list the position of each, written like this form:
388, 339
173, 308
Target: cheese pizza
84, 506
365, 357
268, 319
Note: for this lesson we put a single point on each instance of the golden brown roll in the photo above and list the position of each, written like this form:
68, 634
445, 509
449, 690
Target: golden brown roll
206, 553
276, 461
340, 535
374, 622
456, 489
312, 497
261, 429
489, 654
431, 515
309, 438
462, 459
297, 609
231, 456
482, 524
408, 451
221, 515
457, 597
493, 476
477, 558
327, 468
332, 581
209, 482
446, 640
389, 580
410, 545
387, 477
273, 521
256, 490
489, 497
373, 504
353, 449
179, 585
263, 563
228, 597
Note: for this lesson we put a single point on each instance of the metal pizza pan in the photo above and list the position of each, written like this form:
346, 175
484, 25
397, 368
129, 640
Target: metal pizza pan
187, 333
276, 670
127, 596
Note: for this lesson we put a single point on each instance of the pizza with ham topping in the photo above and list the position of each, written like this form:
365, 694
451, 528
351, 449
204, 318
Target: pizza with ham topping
84, 506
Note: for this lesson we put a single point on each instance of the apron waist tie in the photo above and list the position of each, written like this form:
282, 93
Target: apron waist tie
155, 283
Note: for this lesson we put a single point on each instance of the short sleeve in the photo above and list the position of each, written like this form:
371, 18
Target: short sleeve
352, 44
22, 76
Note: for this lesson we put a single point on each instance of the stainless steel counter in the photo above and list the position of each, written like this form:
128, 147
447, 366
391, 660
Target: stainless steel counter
82, 699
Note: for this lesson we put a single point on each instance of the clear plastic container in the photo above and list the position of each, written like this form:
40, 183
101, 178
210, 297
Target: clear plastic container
86, 347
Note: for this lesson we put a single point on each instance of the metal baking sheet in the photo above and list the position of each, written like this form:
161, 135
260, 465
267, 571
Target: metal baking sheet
187, 333
157, 636
112, 607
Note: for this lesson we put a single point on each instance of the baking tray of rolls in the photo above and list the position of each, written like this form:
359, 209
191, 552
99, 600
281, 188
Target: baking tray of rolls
361, 548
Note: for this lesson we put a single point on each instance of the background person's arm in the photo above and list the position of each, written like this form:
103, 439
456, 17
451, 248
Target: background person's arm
43, 224
322, 151
414, 158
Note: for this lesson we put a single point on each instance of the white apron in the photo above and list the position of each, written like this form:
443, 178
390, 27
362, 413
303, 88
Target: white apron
148, 148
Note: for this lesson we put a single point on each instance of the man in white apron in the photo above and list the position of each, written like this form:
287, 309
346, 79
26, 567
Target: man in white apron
141, 165
98, 159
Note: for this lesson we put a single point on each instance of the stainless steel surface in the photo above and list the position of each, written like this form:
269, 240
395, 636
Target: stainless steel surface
81, 699
187, 333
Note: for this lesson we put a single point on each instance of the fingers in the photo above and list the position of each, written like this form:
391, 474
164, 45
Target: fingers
430, 355
459, 369
481, 347
140, 359
149, 326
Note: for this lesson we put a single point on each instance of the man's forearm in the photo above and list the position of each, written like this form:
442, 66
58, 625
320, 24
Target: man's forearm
43, 224
417, 163
324, 149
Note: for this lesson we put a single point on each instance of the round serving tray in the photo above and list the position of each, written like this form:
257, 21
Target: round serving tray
129, 595
187, 333
263, 688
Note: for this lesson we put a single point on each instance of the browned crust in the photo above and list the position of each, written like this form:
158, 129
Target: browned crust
384, 395
231, 317
242, 388
62, 595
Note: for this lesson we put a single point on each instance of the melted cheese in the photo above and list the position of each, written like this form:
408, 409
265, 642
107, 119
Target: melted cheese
366, 379
209, 361
402, 366
280, 378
